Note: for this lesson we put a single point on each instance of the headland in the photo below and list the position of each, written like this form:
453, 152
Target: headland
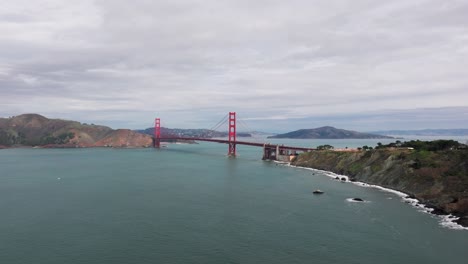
437, 178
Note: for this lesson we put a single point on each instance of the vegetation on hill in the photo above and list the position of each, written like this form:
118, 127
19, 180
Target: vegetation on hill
326, 132
325, 147
62, 138
435, 145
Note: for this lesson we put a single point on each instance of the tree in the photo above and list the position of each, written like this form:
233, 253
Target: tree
325, 147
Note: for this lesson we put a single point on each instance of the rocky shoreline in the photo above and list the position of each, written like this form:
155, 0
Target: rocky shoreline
439, 180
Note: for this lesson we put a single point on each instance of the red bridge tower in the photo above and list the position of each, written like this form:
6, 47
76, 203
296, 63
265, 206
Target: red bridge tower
232, 134
157, 133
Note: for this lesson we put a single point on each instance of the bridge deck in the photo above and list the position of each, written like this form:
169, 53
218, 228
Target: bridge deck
254, 144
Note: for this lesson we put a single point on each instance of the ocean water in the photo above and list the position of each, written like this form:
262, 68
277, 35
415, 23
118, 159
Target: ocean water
192, 204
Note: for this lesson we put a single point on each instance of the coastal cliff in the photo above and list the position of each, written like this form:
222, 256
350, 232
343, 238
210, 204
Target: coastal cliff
438, 179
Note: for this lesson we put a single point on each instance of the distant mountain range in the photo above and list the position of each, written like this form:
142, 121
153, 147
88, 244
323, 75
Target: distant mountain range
327, 132
425, 132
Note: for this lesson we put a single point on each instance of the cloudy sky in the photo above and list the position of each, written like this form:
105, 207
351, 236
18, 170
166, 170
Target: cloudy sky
281, 65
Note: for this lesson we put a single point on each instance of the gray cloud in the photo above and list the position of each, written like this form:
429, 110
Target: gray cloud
122, 63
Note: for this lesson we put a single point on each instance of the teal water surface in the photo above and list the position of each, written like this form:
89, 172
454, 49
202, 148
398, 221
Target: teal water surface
192, 204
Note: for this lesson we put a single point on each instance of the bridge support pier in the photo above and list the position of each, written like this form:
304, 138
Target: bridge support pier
278, 152
270, 152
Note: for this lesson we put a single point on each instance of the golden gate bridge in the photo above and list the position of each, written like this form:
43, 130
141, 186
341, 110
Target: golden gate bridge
270, 151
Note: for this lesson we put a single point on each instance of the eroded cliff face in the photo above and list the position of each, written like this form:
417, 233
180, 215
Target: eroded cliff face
125, 138
438, 179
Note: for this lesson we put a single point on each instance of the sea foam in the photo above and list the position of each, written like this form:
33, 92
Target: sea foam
351, 200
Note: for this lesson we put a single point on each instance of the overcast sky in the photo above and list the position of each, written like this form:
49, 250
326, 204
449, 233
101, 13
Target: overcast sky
281, 65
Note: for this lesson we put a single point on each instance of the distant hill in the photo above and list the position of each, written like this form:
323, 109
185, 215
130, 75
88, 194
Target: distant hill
200, 133
425, 132
327, 132
37, 130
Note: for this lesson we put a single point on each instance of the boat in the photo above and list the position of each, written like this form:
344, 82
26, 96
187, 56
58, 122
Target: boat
317, 192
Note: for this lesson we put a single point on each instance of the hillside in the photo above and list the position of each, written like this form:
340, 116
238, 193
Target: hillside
37, 130
438, 179
327, 132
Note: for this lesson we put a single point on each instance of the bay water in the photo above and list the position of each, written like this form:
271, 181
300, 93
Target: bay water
192, 204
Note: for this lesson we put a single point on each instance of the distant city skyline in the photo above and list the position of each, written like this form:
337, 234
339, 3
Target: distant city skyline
281, 65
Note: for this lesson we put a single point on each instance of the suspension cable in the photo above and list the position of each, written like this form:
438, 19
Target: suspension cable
211, 131
221, 122
249, 130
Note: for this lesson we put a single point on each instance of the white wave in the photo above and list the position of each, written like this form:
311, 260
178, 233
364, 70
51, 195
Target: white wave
323, 172
351, 200
447, 221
